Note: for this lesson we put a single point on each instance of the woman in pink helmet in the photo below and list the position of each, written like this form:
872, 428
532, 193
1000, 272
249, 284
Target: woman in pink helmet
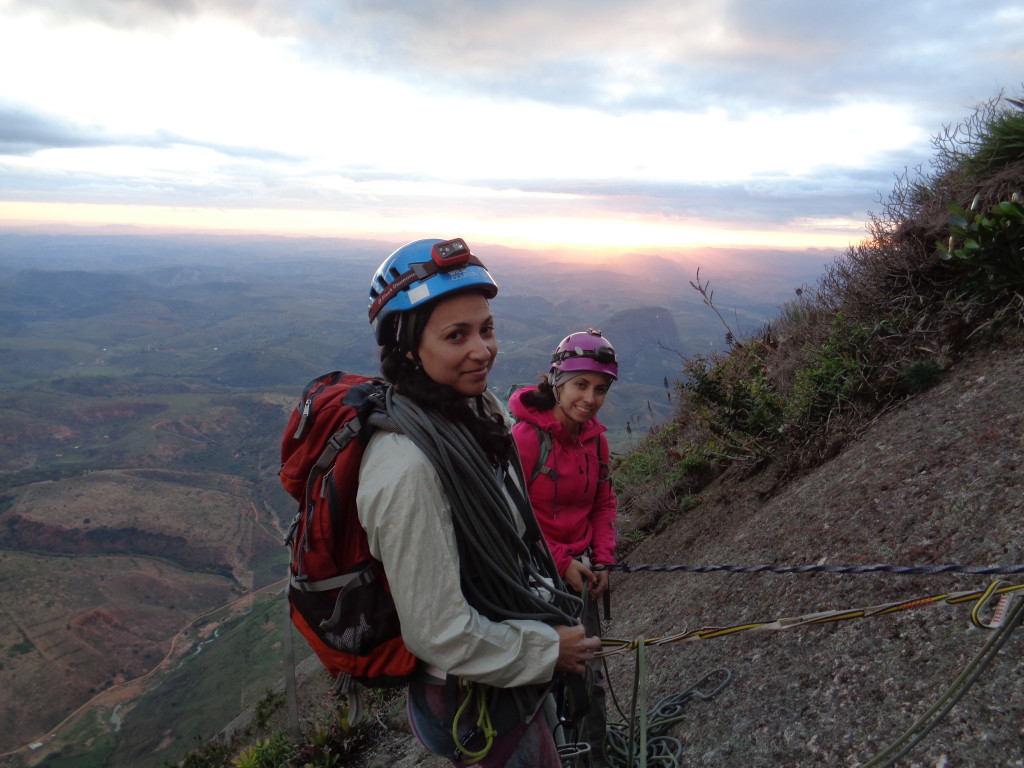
565, 459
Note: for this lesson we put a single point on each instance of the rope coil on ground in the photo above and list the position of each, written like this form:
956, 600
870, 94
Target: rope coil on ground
622, 745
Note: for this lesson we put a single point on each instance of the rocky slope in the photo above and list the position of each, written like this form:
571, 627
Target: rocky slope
939, 480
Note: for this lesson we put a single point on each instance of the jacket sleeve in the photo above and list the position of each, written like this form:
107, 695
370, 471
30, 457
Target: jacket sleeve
408, 523
602, 514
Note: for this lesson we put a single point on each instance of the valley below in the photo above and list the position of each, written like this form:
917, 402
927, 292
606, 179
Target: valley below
143, 388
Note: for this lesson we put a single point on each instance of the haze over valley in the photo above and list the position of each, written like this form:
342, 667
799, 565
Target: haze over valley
144, 383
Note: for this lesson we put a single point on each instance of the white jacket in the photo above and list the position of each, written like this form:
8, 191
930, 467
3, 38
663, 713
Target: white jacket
408, 522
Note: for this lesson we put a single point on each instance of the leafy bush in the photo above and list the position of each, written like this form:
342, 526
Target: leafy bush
837, 372
987, 248
1001, 142
739, 402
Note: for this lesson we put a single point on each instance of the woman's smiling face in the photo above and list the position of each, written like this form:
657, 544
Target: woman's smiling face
580, 398
458, 345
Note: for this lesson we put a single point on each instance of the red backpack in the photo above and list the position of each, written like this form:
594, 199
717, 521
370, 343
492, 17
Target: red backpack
338, 595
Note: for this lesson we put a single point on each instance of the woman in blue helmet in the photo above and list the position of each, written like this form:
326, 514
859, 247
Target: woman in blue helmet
444, 505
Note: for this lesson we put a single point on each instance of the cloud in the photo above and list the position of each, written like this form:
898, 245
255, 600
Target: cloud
113, 13
753, 203
675, 111
637, 56
25, 132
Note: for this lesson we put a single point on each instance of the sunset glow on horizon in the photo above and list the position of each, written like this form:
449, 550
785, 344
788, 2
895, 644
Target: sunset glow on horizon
560, 123
585, 235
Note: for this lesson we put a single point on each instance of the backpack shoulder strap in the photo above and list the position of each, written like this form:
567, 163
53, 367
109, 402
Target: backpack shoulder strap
541, 467
603, 468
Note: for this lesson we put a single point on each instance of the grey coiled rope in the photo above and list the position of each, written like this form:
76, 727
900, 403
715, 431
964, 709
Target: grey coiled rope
504, 576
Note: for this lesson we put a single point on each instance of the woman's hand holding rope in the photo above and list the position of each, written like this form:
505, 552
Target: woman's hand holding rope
574, 649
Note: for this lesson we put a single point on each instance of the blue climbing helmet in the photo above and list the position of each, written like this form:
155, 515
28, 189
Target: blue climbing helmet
419, 272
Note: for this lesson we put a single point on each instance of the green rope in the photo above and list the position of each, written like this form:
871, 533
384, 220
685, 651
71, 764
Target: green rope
474, 695
615, 646
641, 667
648, 729
954, 693
642, 739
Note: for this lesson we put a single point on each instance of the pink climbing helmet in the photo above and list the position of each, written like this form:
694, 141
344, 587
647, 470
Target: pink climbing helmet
586, 351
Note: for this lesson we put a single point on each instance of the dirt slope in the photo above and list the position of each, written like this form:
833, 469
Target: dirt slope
941, 480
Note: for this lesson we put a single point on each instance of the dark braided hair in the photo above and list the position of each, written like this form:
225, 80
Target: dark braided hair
542, 398
407, 374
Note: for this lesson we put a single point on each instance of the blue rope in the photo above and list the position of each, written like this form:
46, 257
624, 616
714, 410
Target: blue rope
906, 570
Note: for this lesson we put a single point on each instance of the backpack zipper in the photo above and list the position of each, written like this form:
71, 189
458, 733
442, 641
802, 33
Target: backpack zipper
307, 409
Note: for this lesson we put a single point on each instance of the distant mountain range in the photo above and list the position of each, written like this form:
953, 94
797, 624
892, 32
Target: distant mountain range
144, 382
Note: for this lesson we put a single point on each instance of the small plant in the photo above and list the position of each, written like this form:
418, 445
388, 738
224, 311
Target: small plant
646, 460
1002, 141
266, 708
708, 296
736, 398
837, 372
213, 754
987, 248
637, 536
919, 375
272, 752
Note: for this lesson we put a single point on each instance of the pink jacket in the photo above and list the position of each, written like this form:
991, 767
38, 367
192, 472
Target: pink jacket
576, 506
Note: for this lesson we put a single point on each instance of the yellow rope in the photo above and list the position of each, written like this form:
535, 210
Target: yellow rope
980, 597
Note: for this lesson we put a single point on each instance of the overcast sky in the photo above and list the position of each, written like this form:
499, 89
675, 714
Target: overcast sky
582, 122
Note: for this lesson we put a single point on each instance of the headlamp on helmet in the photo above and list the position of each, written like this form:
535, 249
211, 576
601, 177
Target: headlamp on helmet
451, 253
585, 351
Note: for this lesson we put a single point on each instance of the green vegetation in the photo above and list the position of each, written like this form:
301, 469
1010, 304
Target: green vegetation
225, 674
987, 248
90, 745
881, 325
328, 739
